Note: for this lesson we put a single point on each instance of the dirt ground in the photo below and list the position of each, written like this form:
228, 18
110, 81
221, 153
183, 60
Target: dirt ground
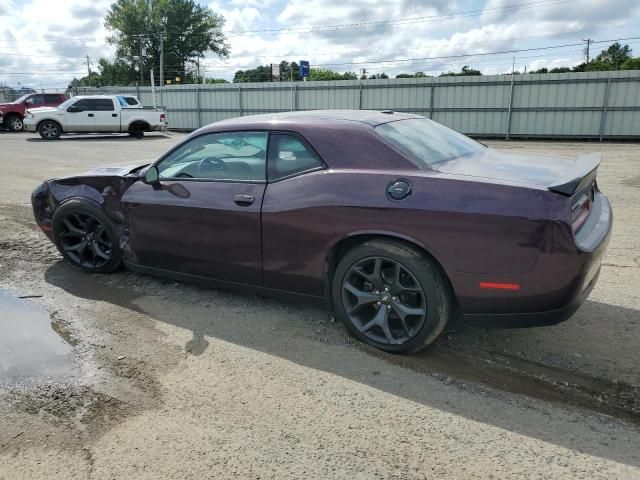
171, 380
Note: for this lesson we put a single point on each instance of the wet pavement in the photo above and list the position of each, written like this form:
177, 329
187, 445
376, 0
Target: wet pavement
33, 348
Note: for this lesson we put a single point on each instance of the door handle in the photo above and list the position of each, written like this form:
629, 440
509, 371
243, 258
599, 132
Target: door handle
244, 200
114, 114
90, 114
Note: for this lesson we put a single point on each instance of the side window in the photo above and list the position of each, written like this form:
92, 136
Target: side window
230, 156
52, 99
103, 104
84, 104
289, 155
35, 100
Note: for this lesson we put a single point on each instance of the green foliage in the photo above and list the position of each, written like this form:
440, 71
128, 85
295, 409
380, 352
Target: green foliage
289, 71
614, 57
318, 74
413, 75
631, 64
215, 80
466, 70
190, 30
378, 76
611, 59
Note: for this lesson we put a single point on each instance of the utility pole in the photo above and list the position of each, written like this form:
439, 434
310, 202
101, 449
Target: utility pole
88, 66
162, 59
141, 71
589, 42
364, 73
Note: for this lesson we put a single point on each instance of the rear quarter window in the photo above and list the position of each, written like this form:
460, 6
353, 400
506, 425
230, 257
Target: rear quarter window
426, 142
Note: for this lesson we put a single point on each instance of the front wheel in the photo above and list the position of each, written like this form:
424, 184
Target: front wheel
86, 237
49, 130
391, 296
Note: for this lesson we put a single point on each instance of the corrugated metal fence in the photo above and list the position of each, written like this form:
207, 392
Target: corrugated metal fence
570, 105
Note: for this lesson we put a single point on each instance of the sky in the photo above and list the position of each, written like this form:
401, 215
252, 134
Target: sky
43, 44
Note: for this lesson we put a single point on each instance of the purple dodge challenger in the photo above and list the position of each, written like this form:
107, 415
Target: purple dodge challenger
397, 220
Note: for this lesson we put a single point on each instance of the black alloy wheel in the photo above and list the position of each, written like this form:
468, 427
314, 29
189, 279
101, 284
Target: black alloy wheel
384, 300
85, 240
391, 295
86, 237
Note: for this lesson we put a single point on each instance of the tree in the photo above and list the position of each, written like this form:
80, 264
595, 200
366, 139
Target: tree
631, 64
377, 76
189, 31
215, 80
466, 70
412, 75
318, 74
611, 59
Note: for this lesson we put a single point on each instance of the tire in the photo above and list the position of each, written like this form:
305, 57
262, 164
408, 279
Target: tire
14, 123
78, 222
409, 285
50, 130
137, 130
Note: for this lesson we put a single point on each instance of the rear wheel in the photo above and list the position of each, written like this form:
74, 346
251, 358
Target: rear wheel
391, 296
137, 129
14, 123
49, 130
86, 237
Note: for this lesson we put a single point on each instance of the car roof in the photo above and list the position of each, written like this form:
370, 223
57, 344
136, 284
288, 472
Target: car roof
368, 117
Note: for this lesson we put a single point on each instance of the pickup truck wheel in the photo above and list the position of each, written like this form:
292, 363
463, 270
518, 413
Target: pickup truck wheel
137, 130
49, 130
14, 123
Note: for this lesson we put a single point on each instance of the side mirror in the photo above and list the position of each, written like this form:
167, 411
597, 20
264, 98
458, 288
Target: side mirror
151, 176
73, 109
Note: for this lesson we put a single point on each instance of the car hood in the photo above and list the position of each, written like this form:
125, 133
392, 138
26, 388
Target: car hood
42, 110
113, 170
509, 167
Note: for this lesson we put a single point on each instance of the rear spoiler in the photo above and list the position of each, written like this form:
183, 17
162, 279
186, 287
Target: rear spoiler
577, 176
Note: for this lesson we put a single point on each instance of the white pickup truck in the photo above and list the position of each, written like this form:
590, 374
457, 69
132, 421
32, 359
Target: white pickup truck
94, 114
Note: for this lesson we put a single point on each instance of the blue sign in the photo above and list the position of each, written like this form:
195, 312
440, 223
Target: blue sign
304, 68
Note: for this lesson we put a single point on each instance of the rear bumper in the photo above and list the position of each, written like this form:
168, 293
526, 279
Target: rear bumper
565, 274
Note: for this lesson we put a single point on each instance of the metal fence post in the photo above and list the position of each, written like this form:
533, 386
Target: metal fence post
360, 97
295, 97
510, 106
605, 106
432, 89
239, 101
198, 106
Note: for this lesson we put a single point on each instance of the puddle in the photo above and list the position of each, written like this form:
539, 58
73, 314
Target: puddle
32, 347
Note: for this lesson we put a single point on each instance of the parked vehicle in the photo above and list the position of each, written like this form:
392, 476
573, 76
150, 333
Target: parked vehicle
94, 114
12, 114
397, 220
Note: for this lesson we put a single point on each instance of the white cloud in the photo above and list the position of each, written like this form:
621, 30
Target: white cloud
58, 38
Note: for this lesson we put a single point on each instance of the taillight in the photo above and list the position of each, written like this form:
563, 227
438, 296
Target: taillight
162, 117
580, 209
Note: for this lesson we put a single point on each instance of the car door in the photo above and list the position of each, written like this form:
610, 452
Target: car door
106, 115
203, 217
80, 116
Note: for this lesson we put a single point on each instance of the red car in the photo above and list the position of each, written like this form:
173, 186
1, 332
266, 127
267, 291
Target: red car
12, 114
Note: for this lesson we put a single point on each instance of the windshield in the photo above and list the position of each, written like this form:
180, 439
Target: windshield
64, 105
426, 142
22, 99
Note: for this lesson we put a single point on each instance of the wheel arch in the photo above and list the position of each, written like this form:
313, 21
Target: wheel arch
133, 123
343, 245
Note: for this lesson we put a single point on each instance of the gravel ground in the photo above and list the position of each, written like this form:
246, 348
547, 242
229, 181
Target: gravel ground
174, 381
